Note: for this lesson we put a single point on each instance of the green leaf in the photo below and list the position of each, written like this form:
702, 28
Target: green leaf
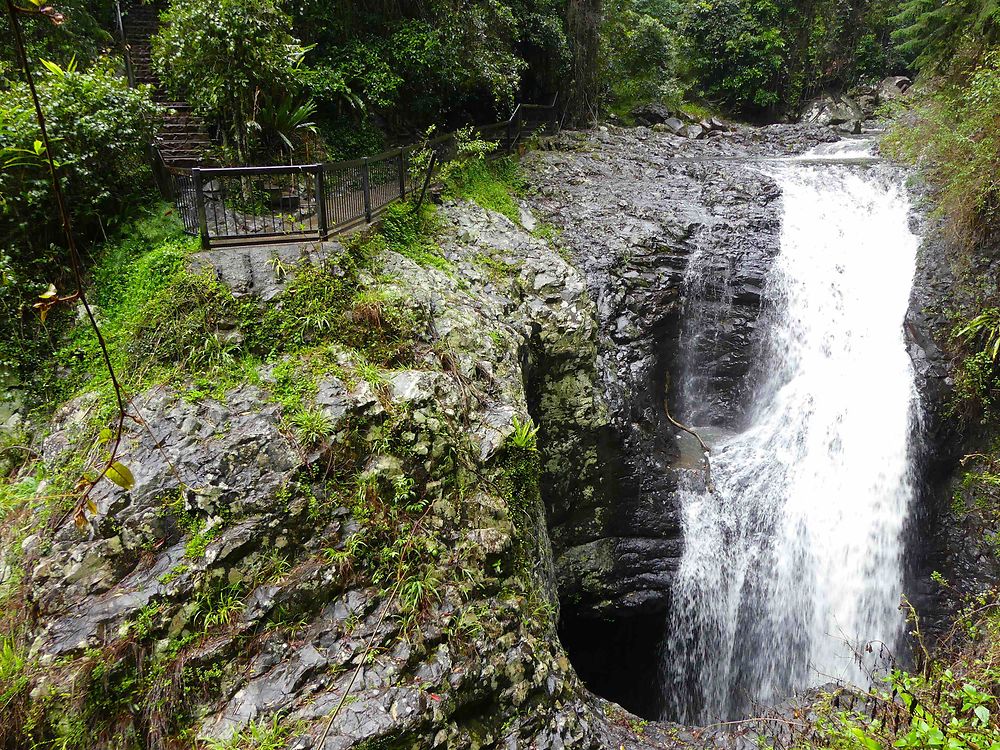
53, 68
983, 714
120, 475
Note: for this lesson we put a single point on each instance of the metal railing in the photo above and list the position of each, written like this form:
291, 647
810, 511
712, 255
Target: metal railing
250, 205
123, 41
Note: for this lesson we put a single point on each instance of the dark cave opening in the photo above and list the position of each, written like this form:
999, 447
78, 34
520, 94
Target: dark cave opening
617, 659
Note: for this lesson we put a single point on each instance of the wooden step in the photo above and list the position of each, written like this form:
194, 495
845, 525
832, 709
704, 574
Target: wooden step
183, 163
177, 129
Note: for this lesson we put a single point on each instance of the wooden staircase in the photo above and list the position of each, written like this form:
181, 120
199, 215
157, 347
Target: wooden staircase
183, 138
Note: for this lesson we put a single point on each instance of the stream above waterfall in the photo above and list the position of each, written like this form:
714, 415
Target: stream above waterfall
792, 557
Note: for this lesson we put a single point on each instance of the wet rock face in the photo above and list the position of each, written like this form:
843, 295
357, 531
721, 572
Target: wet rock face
949, 530
638, 212
219, 593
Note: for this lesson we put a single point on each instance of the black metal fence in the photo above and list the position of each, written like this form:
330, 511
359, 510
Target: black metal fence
243, 205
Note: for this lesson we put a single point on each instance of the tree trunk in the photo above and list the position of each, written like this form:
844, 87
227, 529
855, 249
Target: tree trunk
583, 23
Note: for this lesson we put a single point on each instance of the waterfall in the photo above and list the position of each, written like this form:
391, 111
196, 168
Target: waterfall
793, 562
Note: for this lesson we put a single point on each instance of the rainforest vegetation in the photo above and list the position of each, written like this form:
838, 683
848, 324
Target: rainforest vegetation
332, 80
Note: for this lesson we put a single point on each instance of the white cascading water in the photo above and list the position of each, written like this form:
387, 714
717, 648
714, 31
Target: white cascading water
793, 563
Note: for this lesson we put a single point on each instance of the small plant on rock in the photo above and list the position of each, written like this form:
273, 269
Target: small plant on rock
524, 435
218, 607
265, 735
312, 426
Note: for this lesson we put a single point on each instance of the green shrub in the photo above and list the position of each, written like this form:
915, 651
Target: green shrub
223, 56
347, 138
739, 51
83, 33
949, 702
929, 33
640, 58
414, 64
100, 131
765, 57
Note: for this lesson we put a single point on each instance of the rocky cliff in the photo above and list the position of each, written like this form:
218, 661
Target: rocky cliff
637, 211
364, 543
331, 552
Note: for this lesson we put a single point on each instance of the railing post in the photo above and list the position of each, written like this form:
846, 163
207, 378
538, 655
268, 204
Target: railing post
321, 199
366, 184
129, 75
402, 172
510, 133
199, 200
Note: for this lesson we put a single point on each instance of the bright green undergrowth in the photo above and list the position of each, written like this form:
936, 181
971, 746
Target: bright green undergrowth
491, 184
952, 134
951, 702
408, 229
164, 322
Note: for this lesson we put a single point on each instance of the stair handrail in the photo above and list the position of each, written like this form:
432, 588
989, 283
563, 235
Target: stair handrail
126, 52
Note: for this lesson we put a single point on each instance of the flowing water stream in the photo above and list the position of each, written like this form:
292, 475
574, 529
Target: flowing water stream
792, 563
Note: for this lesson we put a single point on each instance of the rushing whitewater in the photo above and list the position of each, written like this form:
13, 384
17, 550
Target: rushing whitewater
793, 562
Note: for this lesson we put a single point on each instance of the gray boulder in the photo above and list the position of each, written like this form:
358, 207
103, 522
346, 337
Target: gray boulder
851, 127
893, 87
651, 113
694, 131
832, 110
674, 125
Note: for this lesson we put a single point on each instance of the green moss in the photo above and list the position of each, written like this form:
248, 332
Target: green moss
409, 231
518, 485
490, 184
497, 269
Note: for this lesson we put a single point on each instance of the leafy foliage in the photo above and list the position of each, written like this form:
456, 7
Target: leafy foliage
525, 434
100, 130
930, 33
433, 58
640, 55
83, 34
767, 56
256, 735
203, 54
977, 377
951, 703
